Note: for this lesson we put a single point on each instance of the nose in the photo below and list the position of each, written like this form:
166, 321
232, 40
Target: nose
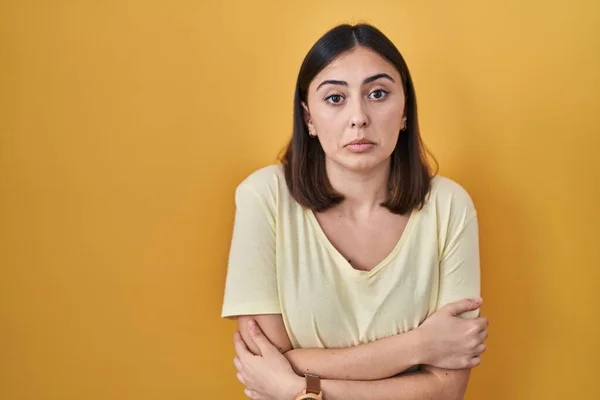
358, 116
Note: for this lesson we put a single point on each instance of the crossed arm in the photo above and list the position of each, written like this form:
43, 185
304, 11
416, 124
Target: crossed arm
364, 372
369, 371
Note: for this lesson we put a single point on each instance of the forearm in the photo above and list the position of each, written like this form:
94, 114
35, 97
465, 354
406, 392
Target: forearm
429, 384
380, 359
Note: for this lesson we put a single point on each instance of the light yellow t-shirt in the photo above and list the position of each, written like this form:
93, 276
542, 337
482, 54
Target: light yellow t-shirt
281, 262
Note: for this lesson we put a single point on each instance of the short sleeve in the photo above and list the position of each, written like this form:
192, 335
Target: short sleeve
459, 265
251, 281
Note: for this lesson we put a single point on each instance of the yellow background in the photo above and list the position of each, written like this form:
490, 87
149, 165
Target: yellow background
125, 126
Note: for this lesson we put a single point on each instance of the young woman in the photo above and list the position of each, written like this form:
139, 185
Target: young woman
354, 270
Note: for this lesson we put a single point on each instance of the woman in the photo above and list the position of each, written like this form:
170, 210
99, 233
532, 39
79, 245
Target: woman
353, 270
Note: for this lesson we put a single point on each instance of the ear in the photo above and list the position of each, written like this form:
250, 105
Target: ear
308, 121
403, 127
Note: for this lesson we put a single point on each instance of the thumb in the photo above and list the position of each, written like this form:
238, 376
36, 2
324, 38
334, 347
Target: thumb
259, 337
461, 306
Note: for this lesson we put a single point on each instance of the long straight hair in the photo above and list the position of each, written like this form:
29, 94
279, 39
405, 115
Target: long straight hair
304, 159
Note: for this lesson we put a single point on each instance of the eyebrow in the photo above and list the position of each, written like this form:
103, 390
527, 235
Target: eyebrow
367, 80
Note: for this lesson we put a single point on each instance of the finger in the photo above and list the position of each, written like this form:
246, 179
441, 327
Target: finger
480, 324
263, 343
479, 350
240, 378
240, 347
483, 335
462, 306
237, 363
249, 393
475, 361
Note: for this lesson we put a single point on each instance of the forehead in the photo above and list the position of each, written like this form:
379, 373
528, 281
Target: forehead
357, 65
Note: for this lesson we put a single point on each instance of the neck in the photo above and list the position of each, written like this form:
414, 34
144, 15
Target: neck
363, 191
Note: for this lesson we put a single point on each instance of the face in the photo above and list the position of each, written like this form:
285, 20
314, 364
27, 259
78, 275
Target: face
355, 109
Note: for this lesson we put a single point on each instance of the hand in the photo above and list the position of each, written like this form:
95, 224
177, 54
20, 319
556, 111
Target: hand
452, 342
268, 376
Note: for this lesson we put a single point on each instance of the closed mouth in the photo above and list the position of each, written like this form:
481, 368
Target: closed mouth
360, 141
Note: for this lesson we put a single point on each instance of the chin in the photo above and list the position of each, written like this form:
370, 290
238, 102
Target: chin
362, 164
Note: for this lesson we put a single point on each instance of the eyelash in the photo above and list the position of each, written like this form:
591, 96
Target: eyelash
385, 93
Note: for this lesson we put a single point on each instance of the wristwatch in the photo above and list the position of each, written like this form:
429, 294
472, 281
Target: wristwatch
313, 389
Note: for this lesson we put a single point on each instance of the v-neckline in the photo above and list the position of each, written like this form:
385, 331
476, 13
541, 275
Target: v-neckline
358, 273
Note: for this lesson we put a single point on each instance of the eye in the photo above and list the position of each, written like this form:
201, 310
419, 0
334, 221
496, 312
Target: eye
378, 94
334, 99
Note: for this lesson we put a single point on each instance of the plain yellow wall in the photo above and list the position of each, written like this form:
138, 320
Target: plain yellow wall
125, 126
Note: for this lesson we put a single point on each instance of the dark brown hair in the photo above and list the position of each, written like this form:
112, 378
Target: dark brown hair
304, 158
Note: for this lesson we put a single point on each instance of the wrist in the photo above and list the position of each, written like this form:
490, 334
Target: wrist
417, 346
294, 386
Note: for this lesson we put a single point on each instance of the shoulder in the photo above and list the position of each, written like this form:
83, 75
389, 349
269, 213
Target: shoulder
451, 196
264, 176
446, 189
264, 183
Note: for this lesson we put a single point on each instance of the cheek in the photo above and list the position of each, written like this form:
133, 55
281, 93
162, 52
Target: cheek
388, 123
330, 142
329, 123
391, 142
388, 118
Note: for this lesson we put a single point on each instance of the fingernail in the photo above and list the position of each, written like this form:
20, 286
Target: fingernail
478, 300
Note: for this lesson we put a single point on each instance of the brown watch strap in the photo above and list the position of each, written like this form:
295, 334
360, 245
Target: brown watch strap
313, 384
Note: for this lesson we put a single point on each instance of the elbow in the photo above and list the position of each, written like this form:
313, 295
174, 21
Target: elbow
453, 390
452, 384
456, 390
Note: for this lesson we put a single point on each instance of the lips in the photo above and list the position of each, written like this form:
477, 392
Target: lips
359, 146
360, 141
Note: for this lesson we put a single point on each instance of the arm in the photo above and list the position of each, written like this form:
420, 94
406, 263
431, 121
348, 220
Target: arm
444, 340
429, 384
259, 372
386, 357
